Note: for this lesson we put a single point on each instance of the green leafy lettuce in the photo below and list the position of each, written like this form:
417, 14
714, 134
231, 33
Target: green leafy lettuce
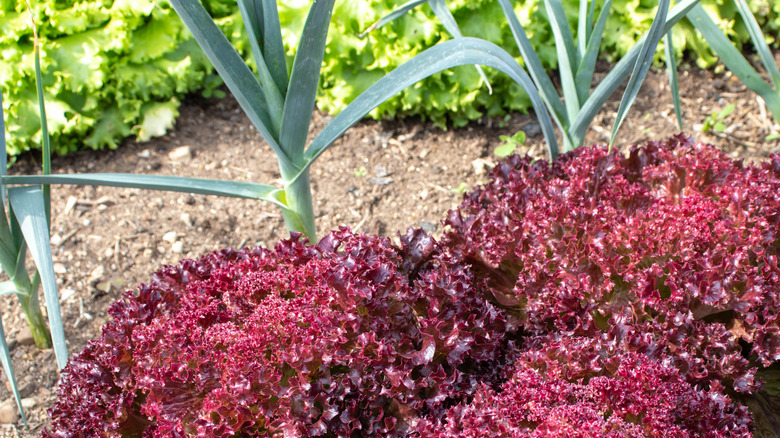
120, 68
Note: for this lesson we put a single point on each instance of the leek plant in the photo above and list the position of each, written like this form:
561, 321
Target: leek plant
280, 105
575, 109
735, 61
24, 226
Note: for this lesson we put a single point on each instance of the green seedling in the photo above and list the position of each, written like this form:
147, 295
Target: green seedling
510, 144
461, 189
714, 122
361, 172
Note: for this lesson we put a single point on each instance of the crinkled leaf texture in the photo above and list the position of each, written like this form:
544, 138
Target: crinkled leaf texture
600, 296
351, 336
625, 395
671, 251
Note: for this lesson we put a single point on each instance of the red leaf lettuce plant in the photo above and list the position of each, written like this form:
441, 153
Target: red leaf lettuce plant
612, 394
670, 252
601, 295
351, 336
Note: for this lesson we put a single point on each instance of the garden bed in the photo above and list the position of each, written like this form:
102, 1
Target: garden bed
380, 178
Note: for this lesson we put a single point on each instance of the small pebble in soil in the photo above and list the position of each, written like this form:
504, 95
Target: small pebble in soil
428, 227
70, 204
532, 129
25, 336
56, 240
170, 236
181, 153
9, 414
66, 293
382, 181
97, 273
480, 165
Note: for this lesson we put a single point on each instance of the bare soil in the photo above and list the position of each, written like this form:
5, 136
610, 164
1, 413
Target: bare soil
381, 178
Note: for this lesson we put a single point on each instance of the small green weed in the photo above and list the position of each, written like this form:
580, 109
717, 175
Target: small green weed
715, 120
461, 189
509, 144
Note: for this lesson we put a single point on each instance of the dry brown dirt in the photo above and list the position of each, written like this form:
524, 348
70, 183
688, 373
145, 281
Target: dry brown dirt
381, 177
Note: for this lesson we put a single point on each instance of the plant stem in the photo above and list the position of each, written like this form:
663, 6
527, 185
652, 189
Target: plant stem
300, 213
35, 319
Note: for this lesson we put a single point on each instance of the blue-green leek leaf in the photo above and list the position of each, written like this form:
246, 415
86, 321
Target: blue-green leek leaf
273, 46
587, 66
233, 70
585, 26
304, 79
459, 51
567, 56
392, 15
731, 57
8, 287
618, 74
445, 16
643, 62
45, 140
271, 92
5, 231
734, 60
759, 42
536, 70
671, 69
442, 12
5, 357
235, 189
3, 154
28, 206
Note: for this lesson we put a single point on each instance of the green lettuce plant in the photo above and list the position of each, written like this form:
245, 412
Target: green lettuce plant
111, 69
119, 69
